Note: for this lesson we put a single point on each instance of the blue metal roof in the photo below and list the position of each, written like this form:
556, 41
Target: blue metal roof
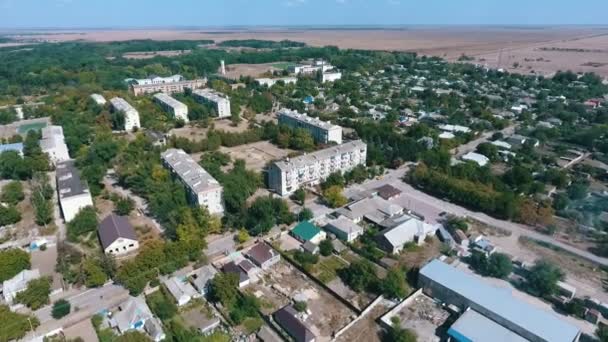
17, 147
475, 327
501, 302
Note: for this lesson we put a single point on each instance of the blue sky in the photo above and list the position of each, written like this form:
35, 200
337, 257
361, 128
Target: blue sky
164, 13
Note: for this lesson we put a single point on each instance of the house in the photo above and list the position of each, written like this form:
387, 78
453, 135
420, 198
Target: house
566, 290
134, 314
483, 245
263, 255
180, 289
157, 138
454, 128
344, 228
18, 283
310, 247
117, 235
373, 208
445, 236
232, 267
388, 192
207, 326
401, 230
478, 158
201, 278
287, 318
74, 194
306, 231
446, 135
501, 144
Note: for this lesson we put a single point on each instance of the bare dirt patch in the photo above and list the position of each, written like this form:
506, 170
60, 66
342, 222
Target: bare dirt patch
152, 54
195, 132
256, 155
235, 71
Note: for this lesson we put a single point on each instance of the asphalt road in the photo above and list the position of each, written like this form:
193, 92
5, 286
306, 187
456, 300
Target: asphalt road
430, 207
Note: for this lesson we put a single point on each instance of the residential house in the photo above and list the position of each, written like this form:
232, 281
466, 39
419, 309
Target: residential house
134, 314
401, 230
344, 228
180, 289
306, 231
201, 278
287, 318
263, 255
117, 235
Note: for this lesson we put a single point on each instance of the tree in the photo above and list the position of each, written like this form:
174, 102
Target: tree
543, 277
123, 206
94, 273
300, 306
326, 247
61, 308
334, 197
602, 332
133, 336
305, 215
161, 305
299, 196
499, 265
36, 295
397, 334
14, 260
84, 222
15, 325
334, 179
224, 289
395, 285
12, 193
242, 236
9, 215
360, 275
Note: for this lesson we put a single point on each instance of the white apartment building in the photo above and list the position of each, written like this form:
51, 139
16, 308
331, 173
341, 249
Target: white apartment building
173, 106
73, 192
322, 131
331, 76
311, 68
272, 81
100, 100
169, 85
202, 188
156, 80
131, 114
220, 101
286, 176
53, 144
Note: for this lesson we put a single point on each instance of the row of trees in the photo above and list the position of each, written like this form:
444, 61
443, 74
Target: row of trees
361, 276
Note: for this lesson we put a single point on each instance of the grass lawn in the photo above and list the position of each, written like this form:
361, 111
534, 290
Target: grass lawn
252, 325
282, 65
327, 268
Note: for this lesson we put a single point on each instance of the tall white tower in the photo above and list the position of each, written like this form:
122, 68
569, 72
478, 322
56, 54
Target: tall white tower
223, 67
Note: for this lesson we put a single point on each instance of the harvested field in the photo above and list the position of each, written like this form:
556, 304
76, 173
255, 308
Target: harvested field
256, 155
444, 41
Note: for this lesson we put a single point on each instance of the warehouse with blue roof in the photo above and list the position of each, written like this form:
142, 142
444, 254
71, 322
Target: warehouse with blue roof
491, 311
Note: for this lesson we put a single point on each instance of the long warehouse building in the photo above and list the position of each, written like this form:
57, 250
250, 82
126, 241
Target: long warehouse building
202, 188
322, 131
220, 102
288, 175
454, 287
173, 106
74, 194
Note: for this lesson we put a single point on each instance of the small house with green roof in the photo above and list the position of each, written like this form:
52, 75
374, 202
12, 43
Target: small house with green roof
306, 231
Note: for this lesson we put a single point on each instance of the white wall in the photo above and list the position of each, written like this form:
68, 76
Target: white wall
122, 246
70, 206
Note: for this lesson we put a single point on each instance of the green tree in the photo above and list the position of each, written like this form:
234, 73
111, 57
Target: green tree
602, 332
36, 295
14, 260
395, 285
334, 197
133, 336
123, 206
61, 308
300, 306
163, 307
543, 277
94, 273
334, 179
299, 196
224, 289
9, 215
326, 247
84, 222
12, 193
360, 275
398, 334
499, 265
15, 325
305, 215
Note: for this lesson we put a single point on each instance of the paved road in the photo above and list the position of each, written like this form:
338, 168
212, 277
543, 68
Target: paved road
430, 207
220, 245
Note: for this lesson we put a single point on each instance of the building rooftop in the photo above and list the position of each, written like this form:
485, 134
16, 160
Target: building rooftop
305, 230
179, 287
473, 326
17, 147
288, 319
68, 180
170, 101
195, 177
19, 282
375, 209
388, 191
121, 104
231, 267
210, 94
404, 228
478, 158
303, 117
345, 225
501, 302
261, 252
202, 276
308, 159
115, 227
132, 312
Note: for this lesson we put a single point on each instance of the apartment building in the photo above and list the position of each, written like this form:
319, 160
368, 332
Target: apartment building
331, 76
53, 144
173, 106
310, 68
272, 81
286, 176
202, 188
99, 99
169, 85
322, 131
131, 114
220, 102
73, 192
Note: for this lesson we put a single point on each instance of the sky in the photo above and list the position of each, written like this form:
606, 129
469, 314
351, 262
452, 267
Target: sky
201, 13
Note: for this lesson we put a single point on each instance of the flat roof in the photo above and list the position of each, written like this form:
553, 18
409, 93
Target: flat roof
308, 159
210, 94
68, 180
501, 302
189, 171
473, 326
169, 101
121, 104
304, 118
